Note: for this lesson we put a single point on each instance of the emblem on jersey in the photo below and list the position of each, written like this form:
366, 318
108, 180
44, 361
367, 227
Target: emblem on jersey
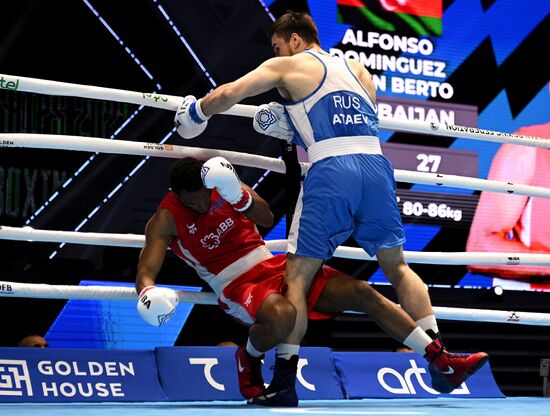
265, 118
191, 228
248, 300
210, 241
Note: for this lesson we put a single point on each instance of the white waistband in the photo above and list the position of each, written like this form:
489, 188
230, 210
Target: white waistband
347, 145
239, 267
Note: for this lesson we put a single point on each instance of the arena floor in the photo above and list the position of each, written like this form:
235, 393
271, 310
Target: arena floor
515, 406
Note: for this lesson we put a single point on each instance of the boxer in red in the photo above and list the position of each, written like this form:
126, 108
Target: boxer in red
209, 220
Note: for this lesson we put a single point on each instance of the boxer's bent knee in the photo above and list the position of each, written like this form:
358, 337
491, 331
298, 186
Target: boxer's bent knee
278, 315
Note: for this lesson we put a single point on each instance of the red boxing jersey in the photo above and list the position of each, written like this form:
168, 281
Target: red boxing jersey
220, 245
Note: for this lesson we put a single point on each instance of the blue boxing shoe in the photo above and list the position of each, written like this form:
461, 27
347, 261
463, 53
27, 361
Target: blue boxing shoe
282, 390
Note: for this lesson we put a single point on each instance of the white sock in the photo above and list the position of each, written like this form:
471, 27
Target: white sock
287, 350
418, 340
251, 350
428, 322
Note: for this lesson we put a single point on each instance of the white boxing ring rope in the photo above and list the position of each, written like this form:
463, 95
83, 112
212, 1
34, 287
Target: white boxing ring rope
353, 253
44, 291
171, 103
126, 147
95, 144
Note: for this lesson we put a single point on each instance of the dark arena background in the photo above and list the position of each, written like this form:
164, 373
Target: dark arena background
476, 63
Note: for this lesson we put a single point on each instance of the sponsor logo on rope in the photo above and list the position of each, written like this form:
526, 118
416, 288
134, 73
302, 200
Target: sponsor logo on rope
155, 97
6, 143
513, 317
513, 260
394, 382
6, 289
157, 146
476, 130
7, 84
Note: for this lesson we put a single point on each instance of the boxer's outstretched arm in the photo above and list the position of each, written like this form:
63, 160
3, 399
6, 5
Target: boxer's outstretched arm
267, 76
159, 232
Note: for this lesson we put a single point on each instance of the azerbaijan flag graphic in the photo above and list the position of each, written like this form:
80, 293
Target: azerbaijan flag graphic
407, 17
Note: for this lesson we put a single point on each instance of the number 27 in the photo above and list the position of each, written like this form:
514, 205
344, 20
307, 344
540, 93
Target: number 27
428, 163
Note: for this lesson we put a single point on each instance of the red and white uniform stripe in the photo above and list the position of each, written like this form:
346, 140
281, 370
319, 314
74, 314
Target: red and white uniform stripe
220, 245
229, 254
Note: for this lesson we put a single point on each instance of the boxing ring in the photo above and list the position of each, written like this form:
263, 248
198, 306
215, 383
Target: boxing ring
434, 407
355, 407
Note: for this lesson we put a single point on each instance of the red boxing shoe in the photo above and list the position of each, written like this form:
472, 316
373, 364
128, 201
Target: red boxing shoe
453, 369
251, 381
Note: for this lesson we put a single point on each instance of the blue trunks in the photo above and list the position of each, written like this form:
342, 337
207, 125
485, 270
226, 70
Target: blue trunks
343, 196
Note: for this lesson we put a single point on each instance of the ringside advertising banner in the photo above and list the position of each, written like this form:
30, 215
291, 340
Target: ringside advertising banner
402, 375
198, 373
78, 375
210, 373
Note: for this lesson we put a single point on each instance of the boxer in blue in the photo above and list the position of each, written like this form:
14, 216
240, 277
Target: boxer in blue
348, 191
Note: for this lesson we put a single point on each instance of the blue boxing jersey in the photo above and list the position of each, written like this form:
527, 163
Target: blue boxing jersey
340, 107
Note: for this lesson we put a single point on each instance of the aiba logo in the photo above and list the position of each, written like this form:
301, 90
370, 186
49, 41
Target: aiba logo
15, 379
391, 380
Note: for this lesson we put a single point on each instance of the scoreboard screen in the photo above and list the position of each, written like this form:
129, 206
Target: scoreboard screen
470, 63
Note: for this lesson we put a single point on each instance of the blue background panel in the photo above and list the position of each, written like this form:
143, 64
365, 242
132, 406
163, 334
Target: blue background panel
113, 324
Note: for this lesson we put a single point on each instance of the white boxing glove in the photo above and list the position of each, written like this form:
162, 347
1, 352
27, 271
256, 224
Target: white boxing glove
190, 121
156, 305
220, 174
271, 119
